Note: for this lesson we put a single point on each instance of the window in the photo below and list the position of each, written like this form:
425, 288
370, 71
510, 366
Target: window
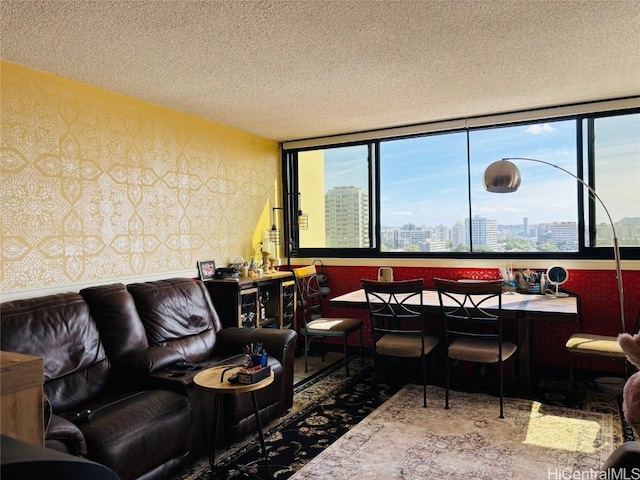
334, 190
614, 159
542, 216
424, 194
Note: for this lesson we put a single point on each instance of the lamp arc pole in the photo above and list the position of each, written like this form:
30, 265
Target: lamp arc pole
508, 180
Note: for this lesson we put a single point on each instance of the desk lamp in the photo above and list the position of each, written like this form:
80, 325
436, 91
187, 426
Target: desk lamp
503, 176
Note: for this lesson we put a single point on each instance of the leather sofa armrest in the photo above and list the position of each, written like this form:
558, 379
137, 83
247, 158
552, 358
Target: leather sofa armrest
280, 344
149, 360
231, 340
64, 432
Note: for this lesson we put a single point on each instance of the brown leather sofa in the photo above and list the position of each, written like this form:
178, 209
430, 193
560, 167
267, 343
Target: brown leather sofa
129, 355
129, 428
173, 320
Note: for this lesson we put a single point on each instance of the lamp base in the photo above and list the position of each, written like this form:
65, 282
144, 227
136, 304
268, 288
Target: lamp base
612, 385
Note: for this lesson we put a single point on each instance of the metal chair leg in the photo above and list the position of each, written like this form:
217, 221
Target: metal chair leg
424, 381
446, 394
346, 357
501, 367
306, 353
374, 379
571, 381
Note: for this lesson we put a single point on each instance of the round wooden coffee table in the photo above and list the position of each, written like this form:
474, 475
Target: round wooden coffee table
215, 380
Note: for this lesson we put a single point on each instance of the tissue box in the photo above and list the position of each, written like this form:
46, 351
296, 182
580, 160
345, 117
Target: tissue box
253, 376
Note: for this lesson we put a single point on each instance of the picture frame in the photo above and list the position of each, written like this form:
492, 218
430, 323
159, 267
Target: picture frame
207, 269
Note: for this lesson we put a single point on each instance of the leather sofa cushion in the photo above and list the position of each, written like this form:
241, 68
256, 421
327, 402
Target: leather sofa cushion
114, 311
136, 433
152, 360
58, 328
178, 313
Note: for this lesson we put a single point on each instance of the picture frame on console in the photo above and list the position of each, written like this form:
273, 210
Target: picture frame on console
206, 269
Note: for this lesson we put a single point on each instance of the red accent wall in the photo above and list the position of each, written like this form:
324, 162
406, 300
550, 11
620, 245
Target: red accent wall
597, 290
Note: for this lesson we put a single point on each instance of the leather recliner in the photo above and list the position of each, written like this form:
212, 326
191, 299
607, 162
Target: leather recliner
138, 433
148, 327
178, 313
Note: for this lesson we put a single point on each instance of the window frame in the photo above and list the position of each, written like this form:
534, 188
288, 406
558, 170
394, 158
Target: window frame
586, 213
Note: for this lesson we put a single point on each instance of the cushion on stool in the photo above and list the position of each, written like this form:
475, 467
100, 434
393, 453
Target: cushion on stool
590, 344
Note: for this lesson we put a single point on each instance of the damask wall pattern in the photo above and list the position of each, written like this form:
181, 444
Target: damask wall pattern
98, 186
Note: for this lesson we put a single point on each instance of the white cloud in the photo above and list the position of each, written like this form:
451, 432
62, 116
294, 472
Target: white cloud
540, 129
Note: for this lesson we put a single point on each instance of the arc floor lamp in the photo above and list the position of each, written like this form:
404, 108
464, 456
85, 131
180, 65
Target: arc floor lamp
503, 176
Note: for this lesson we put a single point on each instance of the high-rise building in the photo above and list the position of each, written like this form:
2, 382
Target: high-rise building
389, 238
481, 230
433, 246
412, 236
347, 217
442, 232
564, 235
457, 234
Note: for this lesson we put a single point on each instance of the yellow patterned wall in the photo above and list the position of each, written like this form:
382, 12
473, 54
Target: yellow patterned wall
97, 186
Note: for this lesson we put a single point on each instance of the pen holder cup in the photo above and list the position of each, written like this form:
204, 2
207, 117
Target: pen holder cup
509, 286
259, 360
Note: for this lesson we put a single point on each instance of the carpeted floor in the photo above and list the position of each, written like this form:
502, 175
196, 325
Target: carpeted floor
403, 440
328, 404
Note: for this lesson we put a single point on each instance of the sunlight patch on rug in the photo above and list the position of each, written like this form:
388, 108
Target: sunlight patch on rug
402, 440
576, 432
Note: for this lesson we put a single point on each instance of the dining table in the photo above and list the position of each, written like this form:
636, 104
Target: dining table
523, 308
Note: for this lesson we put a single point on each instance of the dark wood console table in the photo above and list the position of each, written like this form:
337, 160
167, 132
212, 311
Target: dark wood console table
240, 301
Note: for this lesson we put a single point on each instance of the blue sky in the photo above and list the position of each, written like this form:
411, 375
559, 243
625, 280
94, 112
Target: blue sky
435, 190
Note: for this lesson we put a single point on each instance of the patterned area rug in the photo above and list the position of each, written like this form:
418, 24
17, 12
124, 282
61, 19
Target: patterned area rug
329, 404
325, 407
402, 440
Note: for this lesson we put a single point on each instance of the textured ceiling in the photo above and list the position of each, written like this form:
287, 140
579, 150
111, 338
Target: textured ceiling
289, 70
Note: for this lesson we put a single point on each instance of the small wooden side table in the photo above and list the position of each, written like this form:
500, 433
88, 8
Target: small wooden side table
215, 380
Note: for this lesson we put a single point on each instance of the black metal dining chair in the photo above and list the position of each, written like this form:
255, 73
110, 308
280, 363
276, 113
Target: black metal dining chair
398, 324
472, 314
315, 324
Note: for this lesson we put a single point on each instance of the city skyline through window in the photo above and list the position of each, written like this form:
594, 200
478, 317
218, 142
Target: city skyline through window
432, 197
